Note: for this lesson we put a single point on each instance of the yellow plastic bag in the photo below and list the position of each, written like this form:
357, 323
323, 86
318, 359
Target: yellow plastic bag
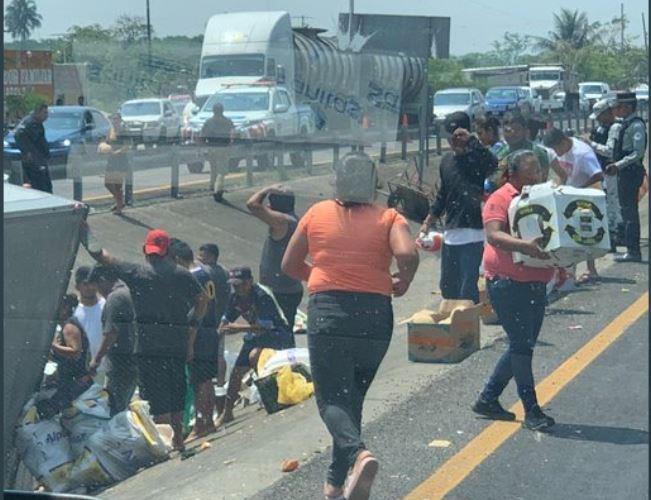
292, 387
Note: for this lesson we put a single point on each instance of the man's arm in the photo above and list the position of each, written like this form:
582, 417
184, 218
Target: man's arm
638, 146
277, 221
72, 337
482, 156
559, 171
108, 339
93, 247
607, 150
438, 206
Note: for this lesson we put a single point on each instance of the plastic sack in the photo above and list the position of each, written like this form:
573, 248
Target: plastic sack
88, 414
146, 443
286, 357
292, 387
300, 322
129, 442
44, 448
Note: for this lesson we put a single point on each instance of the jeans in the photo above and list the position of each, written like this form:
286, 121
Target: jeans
628, 184
348, 336
460, 271
38, 176
521, 310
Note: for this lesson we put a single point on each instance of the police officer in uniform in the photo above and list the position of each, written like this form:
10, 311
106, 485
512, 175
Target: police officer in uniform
602, 140
627, 163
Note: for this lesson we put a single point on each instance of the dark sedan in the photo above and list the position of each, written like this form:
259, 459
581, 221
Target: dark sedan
67, 127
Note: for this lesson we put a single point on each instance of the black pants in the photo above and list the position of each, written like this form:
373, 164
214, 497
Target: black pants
460, 271
628, 185
289, 303
348, 336
37, 176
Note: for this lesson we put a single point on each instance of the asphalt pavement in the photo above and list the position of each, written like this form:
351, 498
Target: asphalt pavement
409, 405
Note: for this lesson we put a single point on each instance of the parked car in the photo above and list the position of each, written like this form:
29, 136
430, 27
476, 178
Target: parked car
500, 100
179, 101
469, 100
259, 112
151, 120
65, 128
591, 92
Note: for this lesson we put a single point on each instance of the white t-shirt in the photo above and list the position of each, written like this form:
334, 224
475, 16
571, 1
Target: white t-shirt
91, 319
463, 236
580, 163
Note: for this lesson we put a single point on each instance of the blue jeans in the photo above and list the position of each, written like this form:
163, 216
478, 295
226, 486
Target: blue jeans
521, 310
460, 271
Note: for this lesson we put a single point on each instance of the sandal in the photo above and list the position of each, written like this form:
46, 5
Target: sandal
360, 480
588, 279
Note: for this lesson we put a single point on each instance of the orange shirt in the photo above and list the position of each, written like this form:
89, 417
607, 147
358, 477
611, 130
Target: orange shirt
349, 247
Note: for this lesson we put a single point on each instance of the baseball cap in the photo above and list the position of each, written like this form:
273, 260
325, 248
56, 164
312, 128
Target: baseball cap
239, 274
599, 107
456, 120
157, 242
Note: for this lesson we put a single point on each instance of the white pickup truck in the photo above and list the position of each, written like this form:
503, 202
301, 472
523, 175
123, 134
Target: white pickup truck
259, 112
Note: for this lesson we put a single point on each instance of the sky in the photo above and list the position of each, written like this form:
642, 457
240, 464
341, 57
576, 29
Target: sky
475, 24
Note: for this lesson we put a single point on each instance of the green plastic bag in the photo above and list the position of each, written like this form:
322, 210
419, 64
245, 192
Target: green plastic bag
188, 411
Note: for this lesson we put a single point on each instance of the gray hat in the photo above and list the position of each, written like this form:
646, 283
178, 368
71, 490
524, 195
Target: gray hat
599, 107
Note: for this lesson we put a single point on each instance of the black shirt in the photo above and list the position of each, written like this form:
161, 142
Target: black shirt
69, 370
163, 294
119, 316
30, 138
461, 185
219, 276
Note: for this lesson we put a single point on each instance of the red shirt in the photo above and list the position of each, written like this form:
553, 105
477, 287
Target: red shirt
497, 262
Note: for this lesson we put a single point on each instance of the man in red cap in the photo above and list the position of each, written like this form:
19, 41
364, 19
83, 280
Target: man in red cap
169, 304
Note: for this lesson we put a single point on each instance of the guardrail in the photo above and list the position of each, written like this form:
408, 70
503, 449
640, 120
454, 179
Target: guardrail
84, 161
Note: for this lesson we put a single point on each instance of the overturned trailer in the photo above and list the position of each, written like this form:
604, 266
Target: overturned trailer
41, 238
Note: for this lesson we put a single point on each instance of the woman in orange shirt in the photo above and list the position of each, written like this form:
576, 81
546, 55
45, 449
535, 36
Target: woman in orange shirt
351, 243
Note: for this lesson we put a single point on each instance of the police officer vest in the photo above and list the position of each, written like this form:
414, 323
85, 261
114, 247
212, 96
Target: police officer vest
619, 152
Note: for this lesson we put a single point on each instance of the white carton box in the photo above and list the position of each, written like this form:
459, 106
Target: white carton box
572, 223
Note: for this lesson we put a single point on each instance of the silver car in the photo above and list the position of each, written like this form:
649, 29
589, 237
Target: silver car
151, 120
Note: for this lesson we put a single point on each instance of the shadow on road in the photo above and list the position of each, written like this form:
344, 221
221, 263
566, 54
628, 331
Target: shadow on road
619, 281
134, 222
599, 433
557, 311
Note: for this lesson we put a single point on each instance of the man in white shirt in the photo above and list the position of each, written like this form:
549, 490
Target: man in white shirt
89, 313
578, 167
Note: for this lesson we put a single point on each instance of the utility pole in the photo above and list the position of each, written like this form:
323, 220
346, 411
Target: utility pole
149, 35
351, 10
621, 5
646, 40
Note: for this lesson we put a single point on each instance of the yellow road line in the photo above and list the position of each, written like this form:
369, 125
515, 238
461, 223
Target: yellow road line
456, 469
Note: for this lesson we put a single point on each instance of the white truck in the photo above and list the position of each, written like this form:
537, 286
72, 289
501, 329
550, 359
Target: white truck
348, 90
552, 84
259, 111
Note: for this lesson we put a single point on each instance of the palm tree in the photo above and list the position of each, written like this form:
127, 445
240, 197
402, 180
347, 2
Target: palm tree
571, 30
21, 18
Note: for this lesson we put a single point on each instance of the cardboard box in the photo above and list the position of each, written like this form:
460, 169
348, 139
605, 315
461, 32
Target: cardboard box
572, 223
447, 336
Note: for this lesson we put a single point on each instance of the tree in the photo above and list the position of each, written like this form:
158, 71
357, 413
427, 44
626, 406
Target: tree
130, 29
510, 49
444, 73
21, 18
571, 30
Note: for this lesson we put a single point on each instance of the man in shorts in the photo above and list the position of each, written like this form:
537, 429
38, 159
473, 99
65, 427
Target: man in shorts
169, 305
266, 328
203, 368
209, 257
